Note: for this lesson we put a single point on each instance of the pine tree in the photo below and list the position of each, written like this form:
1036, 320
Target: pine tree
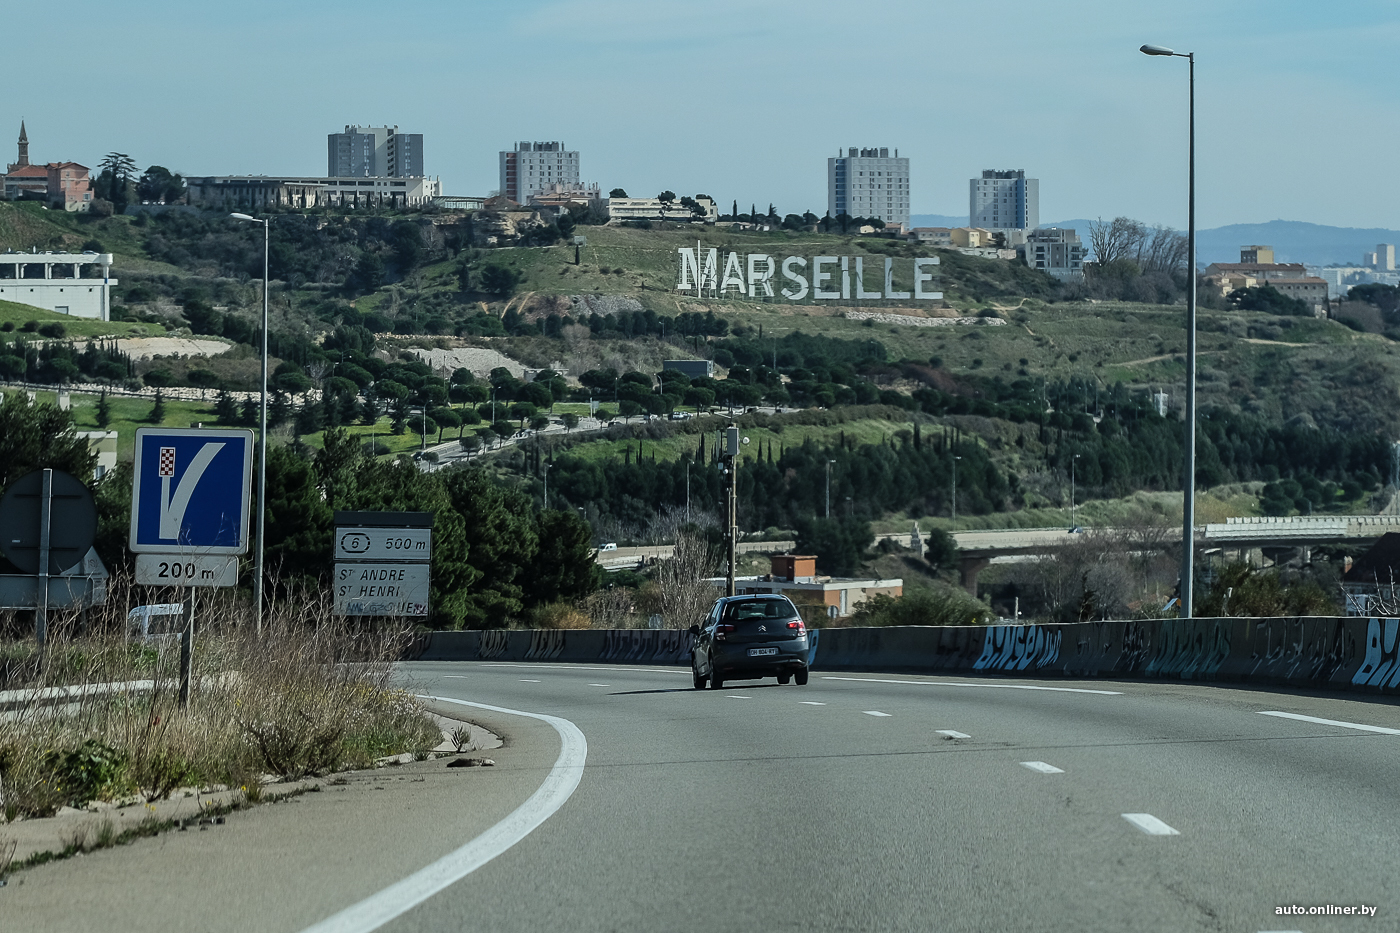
157, 414
104, 411
226, 409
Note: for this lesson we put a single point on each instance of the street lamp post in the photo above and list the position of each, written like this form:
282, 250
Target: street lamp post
955, 492
1188, 508
544, 467
828, 487
262, 439
1071, 487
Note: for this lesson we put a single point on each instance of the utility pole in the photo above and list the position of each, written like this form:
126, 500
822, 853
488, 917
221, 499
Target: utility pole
828, 487
1071, 487
731, 464
955, 492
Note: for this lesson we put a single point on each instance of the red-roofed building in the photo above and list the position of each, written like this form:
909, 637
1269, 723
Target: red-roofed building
65, 185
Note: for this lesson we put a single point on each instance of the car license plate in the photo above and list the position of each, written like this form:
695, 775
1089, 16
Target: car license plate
761, 652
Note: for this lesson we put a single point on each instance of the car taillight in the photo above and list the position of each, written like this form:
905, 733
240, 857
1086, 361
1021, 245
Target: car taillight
722, 630
796, 625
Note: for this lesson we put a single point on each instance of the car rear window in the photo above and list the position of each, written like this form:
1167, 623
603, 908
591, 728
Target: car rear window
758, 610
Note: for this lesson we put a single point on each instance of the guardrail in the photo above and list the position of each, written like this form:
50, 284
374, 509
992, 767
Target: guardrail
1315, 652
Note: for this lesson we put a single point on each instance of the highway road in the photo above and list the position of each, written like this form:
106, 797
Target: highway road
861, 802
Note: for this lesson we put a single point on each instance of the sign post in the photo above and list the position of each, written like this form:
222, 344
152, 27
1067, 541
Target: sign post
382, 562
189, 515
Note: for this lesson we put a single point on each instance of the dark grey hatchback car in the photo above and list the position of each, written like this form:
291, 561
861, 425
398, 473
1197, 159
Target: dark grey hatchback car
748, 637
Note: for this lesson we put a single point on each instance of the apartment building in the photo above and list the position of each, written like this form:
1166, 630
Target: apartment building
869, 183
1054, 250
374, 152
1004, 202
534, 168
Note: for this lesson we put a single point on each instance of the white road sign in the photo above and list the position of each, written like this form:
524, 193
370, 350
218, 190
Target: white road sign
186, 570
396, 544
381, 589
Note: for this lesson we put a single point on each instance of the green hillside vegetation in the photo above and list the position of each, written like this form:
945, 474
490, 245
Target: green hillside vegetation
17, 315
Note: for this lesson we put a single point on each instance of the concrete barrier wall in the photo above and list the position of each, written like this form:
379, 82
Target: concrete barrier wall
1330, 653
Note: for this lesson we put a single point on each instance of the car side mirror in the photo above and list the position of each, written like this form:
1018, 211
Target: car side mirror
694, 630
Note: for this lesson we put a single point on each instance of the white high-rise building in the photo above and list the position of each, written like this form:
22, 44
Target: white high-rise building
535, 168
374, 152
1004, 202
869, 183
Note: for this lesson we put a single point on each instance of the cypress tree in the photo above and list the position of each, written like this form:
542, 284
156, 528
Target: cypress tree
104, 411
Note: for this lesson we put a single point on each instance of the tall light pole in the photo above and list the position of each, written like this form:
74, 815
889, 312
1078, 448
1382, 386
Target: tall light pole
262, 439
1188, 507
1071, 487
955, 492
828, 487
544, 467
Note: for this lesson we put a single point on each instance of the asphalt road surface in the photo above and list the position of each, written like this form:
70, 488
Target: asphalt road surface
879, 802
862, 802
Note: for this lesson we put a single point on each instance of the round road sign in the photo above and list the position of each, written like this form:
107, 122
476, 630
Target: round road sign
72, 522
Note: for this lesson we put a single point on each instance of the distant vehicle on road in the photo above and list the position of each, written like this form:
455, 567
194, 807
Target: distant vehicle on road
747, 638
610, 546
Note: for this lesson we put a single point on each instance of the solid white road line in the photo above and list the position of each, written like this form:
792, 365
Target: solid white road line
1042, 767
524, 681
1150, 824
951, 683
566, 665
874, 712
953, 733
400, 897
810, 703
1331, 722
738, 696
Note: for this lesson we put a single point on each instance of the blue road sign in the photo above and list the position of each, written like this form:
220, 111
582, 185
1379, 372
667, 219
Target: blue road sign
191, 490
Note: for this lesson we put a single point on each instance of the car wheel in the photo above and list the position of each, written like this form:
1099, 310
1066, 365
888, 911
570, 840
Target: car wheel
801, 677
696, 679
784, 678
716, 683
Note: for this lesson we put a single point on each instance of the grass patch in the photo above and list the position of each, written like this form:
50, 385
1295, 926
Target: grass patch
310, 695
18, 314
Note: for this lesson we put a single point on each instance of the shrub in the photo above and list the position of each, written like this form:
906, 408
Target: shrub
54, 330
922, 607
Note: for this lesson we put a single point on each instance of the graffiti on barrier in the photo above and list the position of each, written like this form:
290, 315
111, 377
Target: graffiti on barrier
494, 643
1309, 648
1382, 665
1017, 647
1191, 648
545, 644
662, 646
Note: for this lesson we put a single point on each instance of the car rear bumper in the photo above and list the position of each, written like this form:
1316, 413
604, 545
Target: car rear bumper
734, 660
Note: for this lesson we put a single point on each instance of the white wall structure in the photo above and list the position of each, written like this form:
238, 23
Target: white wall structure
257, 191
1004, 202
654, 209
52, 281
531, 168
869, 183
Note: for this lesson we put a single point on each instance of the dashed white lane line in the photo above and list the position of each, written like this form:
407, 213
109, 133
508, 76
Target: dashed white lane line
952, 683
454, 676
1150, 824
524, 681
738, 696
1331, 722
953, 733
1042, 767
874, 712
600, 685
810, 703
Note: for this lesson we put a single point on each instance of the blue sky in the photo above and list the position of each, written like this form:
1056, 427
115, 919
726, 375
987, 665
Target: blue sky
1296, 101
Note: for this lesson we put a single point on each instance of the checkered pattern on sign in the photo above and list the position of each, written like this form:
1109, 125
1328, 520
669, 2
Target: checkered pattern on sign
167, 461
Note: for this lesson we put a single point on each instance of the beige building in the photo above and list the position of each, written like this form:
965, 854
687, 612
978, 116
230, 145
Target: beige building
971, 237
795, 576
1257, 268
932, 236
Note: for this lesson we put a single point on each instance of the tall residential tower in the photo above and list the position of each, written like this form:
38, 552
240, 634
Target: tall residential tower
1004, 202
374, 152
869, 183
535, 168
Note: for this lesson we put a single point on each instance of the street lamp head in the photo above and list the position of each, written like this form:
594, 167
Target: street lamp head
1155, 50
245, 217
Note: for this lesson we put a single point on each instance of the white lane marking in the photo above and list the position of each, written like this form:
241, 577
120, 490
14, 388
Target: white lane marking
874, 712
952, 683
600, 685
454, 676
524, 681
565, 665
1150, 824
400, 897
1331, 722
738, 696
953, 733
810, 703
1042, 767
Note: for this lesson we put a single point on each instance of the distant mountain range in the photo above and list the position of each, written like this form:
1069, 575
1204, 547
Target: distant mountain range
1292, 240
